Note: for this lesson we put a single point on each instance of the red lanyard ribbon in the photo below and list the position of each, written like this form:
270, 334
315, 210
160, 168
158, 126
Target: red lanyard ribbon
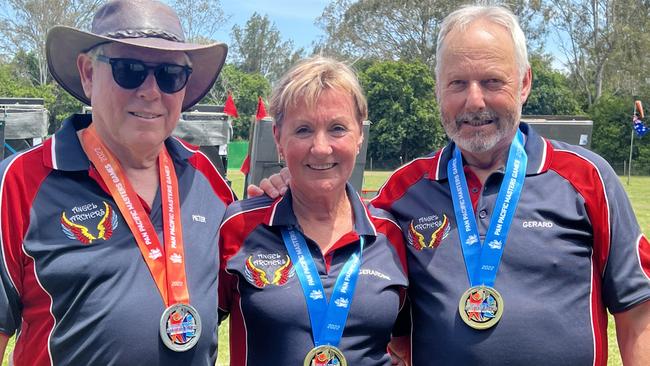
167, 267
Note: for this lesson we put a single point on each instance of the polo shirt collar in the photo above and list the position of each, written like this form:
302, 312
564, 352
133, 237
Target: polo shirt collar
535, 146
68, 155
283, 215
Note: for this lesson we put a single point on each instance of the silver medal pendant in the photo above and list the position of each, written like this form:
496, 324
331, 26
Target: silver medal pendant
180, 327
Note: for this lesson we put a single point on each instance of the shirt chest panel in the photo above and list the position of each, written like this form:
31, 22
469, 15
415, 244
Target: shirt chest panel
100, 276
272, 308
545, 271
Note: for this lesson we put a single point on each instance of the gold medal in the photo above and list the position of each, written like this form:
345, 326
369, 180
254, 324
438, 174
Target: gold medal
325, 356
481, 307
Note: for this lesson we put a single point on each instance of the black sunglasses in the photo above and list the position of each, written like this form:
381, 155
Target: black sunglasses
130, 74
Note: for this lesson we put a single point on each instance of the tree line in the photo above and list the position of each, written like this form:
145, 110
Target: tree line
588, 58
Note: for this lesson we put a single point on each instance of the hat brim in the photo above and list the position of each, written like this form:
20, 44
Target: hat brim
64, 44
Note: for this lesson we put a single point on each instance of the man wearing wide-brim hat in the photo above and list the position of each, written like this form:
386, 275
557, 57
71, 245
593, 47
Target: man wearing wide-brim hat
108, 230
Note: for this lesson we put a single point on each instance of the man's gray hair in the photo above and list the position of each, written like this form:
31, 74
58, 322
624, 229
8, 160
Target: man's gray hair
96, 51
461, 19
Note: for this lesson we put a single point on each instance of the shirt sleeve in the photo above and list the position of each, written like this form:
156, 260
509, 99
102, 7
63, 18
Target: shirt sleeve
387, 225
13, 219
226, 280
231, 238
9, 305
626, 276
227, 283
402, 325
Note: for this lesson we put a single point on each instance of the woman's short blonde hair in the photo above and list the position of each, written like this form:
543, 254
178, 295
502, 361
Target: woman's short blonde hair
305, 82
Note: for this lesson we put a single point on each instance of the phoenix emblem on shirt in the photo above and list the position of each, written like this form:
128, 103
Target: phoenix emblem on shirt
258, 267
75, 225
428, 231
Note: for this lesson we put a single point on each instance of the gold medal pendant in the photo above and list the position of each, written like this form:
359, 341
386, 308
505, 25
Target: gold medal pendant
325, 356
481, 307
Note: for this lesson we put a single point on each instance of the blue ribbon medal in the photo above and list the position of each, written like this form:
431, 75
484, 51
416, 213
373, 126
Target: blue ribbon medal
327, 319
481, 306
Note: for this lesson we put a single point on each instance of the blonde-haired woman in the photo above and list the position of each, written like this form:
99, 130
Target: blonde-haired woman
313, 277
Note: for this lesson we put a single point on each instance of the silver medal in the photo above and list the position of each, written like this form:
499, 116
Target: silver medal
180, 327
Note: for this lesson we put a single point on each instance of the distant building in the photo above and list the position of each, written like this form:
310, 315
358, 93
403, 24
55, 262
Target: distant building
575, 130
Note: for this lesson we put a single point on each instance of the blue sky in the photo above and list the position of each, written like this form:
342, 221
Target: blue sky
293, 18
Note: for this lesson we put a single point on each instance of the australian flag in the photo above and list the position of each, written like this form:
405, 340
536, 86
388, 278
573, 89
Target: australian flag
639, 127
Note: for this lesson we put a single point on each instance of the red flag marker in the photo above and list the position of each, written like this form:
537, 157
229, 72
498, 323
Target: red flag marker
246, 165
230, 108
261, 110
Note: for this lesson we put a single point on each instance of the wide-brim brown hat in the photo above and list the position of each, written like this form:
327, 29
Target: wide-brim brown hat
142, 23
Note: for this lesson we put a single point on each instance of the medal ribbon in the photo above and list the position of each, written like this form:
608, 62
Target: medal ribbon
482, 259
167, 268
327, 319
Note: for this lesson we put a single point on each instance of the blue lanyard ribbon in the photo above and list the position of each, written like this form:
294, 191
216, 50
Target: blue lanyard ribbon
482, 260
327, 320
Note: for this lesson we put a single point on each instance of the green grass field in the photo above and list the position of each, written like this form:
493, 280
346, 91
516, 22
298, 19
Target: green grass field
638, 191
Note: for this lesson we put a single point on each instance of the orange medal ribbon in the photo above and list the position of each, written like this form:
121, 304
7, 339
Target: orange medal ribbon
167, 267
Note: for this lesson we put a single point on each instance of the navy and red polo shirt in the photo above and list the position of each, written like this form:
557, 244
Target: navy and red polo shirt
574, 250
269, 322
74, 284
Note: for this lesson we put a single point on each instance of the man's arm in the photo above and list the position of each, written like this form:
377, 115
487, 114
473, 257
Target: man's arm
4, 339
633, 333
